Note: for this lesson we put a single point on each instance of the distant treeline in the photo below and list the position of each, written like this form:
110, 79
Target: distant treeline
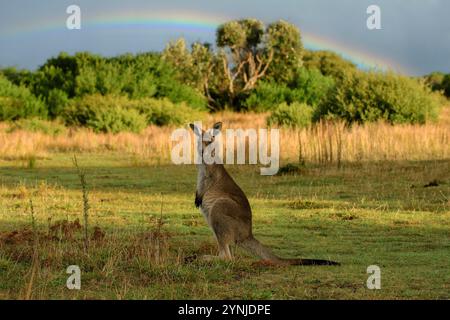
252, 67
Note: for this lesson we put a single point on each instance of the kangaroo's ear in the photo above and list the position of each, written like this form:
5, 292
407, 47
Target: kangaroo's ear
218, 126
195, 129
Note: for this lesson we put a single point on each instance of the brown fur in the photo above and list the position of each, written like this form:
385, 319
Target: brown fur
228, 212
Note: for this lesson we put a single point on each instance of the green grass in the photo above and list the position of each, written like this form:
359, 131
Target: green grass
360, 215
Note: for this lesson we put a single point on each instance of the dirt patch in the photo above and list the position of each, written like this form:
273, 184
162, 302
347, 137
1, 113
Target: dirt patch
17, 237
98, 234
61, 230
64, 229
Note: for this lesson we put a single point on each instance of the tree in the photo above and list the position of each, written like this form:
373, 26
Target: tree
17, 102
195, 67
328, 63
244, 55
446, 85
284, 40
246, 52
435, 81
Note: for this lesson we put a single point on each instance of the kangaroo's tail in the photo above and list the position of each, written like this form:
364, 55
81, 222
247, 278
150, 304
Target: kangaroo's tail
255, 247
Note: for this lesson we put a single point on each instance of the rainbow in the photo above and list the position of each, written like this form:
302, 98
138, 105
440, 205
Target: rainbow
359, 57
181, 21
194, 22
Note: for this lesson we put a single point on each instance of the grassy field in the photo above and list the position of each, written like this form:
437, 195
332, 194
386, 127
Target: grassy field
142, 223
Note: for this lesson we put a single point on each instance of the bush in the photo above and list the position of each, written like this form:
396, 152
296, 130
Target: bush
266, 97
116, 120
311, 87
364, 97
114, 114
177, 93
446, 85
328, 63
163, 112
307, 86
134, 76
38, 125
435, 80
56, 102
294, 115
104, 114
17, 102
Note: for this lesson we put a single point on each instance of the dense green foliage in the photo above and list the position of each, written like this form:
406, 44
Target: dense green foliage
18, 102
294, 115
104, 114
439, 81
328, 63
247, 51
140, 76
307, 86
253, 67
285, 41
97, 92
118, 113
372, 96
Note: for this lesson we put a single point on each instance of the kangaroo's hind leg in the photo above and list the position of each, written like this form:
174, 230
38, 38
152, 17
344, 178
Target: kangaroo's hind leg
224, 251
223, 234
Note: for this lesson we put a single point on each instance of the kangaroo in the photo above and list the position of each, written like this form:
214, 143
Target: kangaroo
227, 209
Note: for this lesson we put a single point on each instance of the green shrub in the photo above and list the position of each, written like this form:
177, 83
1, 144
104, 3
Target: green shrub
17, 102
18, 77
446, 85
38, 125
116, 120
294, 115
56, 102
266, 97
134, 76
435, 81
163, 112
328, 63
178, 93
310, 86
372, 96
104, 114
307, 86
115, 113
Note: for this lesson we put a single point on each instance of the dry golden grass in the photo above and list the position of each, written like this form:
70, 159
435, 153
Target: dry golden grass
322, 143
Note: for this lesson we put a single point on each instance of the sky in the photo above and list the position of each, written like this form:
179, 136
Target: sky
414, 38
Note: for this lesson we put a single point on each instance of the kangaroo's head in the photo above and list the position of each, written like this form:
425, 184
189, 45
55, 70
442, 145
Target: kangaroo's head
206, 136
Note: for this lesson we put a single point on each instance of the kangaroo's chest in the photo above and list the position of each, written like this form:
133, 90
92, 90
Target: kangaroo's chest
206, 207
201, 181
201, 199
